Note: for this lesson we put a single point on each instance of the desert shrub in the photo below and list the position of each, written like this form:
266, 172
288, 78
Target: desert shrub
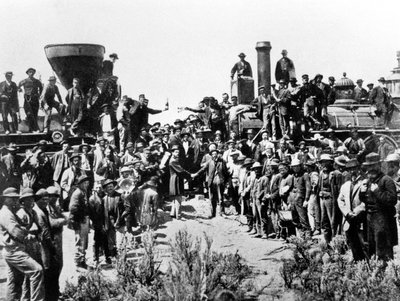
91, 286
197, 273
321, 272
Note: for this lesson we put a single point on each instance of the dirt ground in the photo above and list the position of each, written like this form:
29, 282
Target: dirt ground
229, 235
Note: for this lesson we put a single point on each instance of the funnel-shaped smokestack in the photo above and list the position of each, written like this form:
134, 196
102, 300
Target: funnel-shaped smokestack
264, 65
83, 61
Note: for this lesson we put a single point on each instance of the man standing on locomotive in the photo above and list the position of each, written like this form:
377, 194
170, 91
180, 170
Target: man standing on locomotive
32, 90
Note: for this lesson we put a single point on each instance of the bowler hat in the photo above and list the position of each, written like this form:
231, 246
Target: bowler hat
241, 55
372, 159
27, 193
10, 192
331, 78
352, 163
30, 69
304, 76
284, 51
52, 78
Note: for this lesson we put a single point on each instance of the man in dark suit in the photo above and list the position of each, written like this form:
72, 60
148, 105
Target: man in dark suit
75, 100
380, 97
379, 194
9, 103
242, 67
95, 99
284, 68
283, 102
266, 111
217, 180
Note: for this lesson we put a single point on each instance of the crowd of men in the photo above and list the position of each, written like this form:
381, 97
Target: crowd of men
317, 186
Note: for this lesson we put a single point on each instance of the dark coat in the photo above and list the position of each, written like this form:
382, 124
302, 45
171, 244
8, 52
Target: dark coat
217, 167
382, 202
242, 69
9, 94
57, 163
284, 69
78, 208
177, 175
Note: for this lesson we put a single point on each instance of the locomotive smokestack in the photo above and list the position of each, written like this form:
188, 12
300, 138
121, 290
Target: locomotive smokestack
264, 65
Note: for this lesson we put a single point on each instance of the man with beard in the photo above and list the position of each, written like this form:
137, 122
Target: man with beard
217, 181
298, 198
353, 210
78, 219
284, 68
75, 100
378, 192
176, 186
9, 104
32, 90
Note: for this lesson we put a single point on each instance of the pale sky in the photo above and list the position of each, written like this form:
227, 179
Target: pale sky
183, 50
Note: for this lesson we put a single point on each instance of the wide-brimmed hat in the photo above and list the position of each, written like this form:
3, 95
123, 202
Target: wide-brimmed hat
256, 165
325, 157
295, 162
41, 193
381, 79
82, 179
51, 78
352, 163
54, 191
83, 145
274, 162
30, 69
393, 158
27, 193
10, 192
12, 147
125, 169
317, 136
108, 182
341, 161
235, 153
248, 161
75, 155
372, 159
